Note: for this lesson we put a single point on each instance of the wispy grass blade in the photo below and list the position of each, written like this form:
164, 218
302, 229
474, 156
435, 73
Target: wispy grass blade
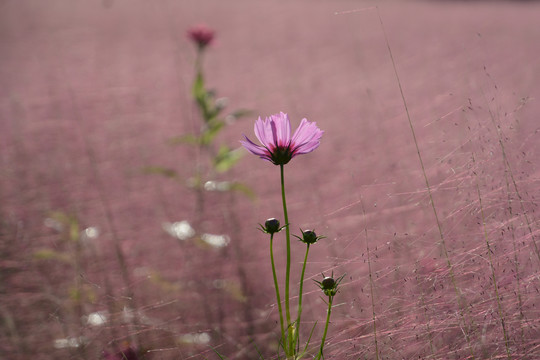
461, 301
371, 291
492, 268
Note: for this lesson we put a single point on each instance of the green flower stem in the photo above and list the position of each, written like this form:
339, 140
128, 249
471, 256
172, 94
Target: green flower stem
330, 299
300, 294
198, 61
278, 297
288, 269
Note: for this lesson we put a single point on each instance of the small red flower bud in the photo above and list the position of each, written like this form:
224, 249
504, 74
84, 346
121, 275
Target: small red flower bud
201, 35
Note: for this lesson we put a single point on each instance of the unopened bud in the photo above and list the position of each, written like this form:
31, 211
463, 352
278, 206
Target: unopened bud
309, 237
271, 226
328, 283
201, 35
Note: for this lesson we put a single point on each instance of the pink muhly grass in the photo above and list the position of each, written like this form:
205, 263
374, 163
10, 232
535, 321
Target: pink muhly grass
462, 303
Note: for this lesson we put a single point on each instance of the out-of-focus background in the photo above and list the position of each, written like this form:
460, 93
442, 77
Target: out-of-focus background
101, 236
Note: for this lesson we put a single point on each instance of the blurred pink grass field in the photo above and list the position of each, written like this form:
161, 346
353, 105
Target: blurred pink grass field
91, 92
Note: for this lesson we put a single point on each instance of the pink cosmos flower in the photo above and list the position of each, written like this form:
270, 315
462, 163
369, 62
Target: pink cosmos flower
201, 35
278, 147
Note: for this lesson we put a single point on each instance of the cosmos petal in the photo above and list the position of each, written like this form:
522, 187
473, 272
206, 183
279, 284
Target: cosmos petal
281, 129
306, 132
254, 148
274, 133
260, 131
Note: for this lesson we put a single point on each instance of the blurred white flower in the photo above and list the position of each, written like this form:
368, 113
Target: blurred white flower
97, 318
217, 241
181, 230
71, 342
199, 339
91, 232
217, 186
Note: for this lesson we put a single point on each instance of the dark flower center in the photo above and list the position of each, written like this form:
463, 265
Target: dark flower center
281, 155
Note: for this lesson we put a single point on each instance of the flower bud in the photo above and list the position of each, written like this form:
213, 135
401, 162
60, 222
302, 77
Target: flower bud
309, 237
271, 226
329, 285
201, 35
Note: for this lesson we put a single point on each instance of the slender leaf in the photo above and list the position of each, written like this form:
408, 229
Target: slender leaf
213, 129
244, 189
226, 158
158, 170
49, 254
240, 113
184, 139
217, 353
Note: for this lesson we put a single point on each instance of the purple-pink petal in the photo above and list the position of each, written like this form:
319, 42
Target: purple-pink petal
281, 129
254, 148
274, 133
306, 138
260, 131
305, 132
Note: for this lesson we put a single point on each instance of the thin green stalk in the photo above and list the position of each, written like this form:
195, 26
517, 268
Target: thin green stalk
278, 297
330, 299
288, 350
198, 61
300, 295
